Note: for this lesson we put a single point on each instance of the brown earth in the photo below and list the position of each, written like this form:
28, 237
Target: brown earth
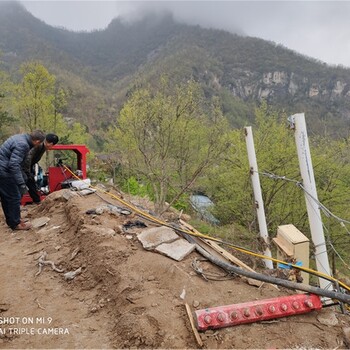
125, 296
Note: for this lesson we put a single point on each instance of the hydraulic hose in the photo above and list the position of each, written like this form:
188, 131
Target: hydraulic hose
345, 298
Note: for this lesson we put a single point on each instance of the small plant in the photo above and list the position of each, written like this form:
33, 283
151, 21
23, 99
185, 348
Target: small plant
132, 186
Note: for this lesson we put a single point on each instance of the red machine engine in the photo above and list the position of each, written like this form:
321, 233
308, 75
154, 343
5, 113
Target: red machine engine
59, 176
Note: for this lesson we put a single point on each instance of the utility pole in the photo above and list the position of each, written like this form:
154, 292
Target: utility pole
312, 204
259, 204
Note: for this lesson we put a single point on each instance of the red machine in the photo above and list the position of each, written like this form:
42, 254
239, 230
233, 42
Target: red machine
61, 174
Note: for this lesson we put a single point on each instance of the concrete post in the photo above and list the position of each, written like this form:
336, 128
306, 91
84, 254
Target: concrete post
313, 210
257, 194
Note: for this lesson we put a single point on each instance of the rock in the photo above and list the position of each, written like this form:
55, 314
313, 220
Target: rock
195, 303
112, 209
177, 250
328, 319
86, 191
39, 222
155, 236
183, 294
68, 194
99, 230
346, 331
72, 274
4, 307
99, 210
118, 229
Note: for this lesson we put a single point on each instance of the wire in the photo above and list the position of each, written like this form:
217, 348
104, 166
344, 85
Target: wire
322, 207
327, 212
207, 275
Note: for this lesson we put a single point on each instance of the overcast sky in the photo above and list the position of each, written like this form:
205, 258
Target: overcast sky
319, 29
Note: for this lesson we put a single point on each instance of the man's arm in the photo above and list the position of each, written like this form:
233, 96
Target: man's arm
16, 162
27, 162
36, 154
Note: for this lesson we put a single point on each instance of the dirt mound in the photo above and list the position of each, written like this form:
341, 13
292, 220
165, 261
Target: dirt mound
97, 287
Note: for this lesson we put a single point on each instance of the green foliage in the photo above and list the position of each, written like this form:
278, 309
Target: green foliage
168, 136
331, 164
202, 226
34, 100
229, 184
77, 133
134, 187
6, 120
38, 101
238, 112
276, 154
182, 203
100, 176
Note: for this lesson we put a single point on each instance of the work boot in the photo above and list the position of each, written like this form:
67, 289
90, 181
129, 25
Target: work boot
23, 226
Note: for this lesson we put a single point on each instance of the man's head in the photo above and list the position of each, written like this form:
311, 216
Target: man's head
50, 140
37, 137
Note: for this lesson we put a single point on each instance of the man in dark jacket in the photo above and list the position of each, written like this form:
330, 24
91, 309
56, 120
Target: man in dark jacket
33, 157
12, 179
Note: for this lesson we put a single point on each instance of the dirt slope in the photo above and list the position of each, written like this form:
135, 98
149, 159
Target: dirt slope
126, 296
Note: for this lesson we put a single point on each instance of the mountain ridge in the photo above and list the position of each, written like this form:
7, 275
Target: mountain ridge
244, 70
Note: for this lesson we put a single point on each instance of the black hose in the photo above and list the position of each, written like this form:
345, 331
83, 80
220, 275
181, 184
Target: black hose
345, 298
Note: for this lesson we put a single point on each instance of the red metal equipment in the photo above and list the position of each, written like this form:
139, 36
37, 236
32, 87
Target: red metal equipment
255, 311
58, 175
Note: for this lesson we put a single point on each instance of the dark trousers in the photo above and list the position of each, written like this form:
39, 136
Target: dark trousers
32, 189
10, 201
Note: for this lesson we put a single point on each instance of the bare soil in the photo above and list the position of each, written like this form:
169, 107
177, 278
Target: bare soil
125, 296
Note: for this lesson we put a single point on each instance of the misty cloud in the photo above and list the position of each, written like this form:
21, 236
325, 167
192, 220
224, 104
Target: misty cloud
318, 29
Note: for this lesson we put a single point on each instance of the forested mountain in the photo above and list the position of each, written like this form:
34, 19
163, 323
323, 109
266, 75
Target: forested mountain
164, 105
100, 67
